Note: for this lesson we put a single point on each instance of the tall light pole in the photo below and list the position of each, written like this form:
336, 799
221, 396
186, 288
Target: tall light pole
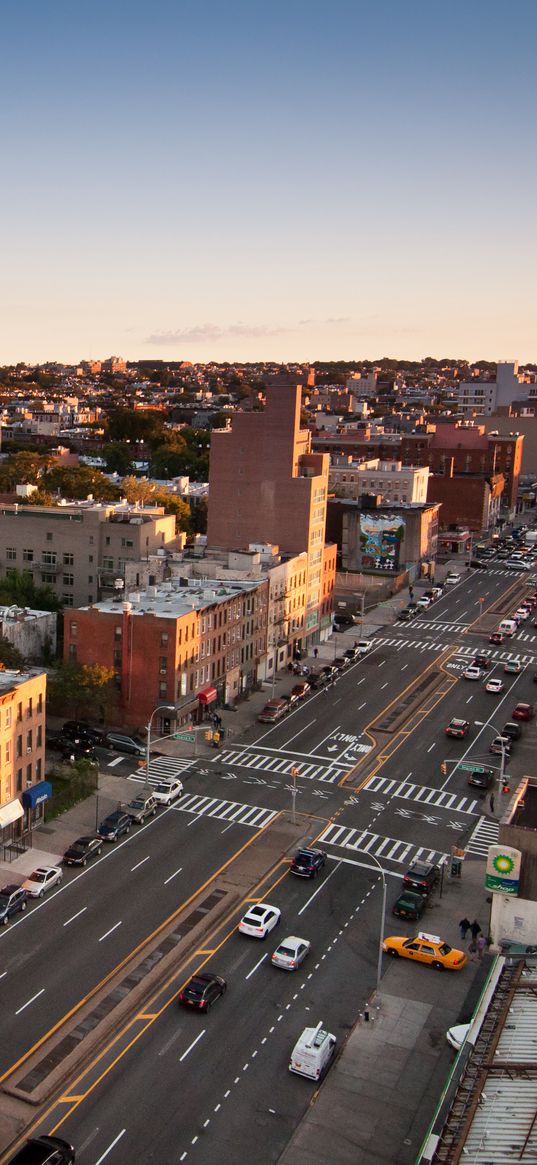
381, 934
171, 709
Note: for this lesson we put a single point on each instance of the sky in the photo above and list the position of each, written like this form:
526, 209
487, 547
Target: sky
299, 180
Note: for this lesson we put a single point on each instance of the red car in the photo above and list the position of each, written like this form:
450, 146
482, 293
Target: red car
522, 712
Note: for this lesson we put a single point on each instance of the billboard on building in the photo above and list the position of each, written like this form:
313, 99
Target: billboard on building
503, 869
381, 536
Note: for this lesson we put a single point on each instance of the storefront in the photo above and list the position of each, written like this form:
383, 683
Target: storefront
11, 815
33, 800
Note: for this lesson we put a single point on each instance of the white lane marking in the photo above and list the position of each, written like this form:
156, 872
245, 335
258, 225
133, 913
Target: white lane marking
173, 875
384, 686
138, 864
382, 662
110, 764
286, 743
3, 975
431, 747
192, 1045
111, 931
110, 1147
405, 665
258, 964
29, 1001
72, 919
362, 706
318, 891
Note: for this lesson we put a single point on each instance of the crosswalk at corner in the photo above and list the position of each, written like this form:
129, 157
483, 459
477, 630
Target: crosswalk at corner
161, 768
485, 833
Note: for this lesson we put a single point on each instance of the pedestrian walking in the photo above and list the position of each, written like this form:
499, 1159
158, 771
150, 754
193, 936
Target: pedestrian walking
315, 652
491, 802
464, 927
475, 929
411, 593
481, 943
472, 950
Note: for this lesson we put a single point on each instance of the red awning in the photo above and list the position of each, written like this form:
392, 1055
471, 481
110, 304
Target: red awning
207, 695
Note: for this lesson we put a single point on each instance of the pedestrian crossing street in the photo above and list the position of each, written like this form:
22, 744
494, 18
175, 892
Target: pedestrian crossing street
486, 832
231, 811
466, 651
433, 798
329, 774
162, 768
387, 848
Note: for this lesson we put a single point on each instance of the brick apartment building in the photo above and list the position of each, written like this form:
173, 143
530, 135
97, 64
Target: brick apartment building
468, 500
81, 550
23, 789
187, 645
266, 486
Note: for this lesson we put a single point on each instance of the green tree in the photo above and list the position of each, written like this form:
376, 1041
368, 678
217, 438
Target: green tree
80, 481
10, 656
82, 691
174, 505
20, 590
134, 425
22, 468
118, 457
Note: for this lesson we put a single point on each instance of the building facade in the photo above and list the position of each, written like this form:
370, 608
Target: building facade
23, 789
391, 480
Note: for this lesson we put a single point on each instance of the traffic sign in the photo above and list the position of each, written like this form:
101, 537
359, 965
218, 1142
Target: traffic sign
475, 768
189, 736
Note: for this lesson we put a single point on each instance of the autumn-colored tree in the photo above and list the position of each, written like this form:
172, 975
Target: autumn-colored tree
82, 691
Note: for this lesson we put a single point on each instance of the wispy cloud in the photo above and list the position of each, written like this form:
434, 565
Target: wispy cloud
201, 333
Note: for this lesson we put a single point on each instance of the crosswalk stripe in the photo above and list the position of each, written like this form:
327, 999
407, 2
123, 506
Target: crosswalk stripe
423, 794
374, 844
254, 816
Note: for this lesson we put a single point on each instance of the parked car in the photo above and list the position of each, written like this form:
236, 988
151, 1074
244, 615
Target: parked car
44, 1151
76, 729
291, 953
142, 806
363, 647
421, 877
341, 663
478, 564
452, 579
501, 745
512, 729
82, 849
406, 615
274, 710
42, 879
308, 862
457, 728
522, 712
166, 792
483, 779
301, 689
343, 622
259, 920
202, 990
74, 750
13, 900
409, 904
115, 826
318, 679
424, 602
124, 743
329, 671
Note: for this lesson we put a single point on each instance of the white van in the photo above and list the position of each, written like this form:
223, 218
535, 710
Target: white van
508, 627
312, 1052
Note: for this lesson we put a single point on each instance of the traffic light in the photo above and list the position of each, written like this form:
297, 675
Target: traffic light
443, 768
506, 788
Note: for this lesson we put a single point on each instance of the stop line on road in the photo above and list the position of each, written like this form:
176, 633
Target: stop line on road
234, 812
424, 795
329, 774
387, 848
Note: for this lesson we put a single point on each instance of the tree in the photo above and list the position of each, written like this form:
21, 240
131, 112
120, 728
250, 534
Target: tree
80, 481
22, 468
19, 589
174, 505
10, 656
137, 489
117, 457
134, 425
82, 691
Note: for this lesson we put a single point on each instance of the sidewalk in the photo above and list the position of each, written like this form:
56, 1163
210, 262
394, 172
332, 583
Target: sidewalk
378, 1099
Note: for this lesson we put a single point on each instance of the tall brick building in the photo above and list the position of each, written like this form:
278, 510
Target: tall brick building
266, 486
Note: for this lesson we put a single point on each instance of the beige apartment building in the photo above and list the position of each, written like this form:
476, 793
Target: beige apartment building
390, 480
81, 550
23, 789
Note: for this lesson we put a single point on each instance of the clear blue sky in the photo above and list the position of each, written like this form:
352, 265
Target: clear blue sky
294, 180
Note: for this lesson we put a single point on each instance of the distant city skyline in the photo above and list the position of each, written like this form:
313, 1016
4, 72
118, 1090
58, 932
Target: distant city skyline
297, 183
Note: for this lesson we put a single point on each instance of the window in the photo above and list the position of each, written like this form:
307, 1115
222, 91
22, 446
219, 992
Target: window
19, 746
19, 780
90, 557
72, 651
29, 741
90, 540
107, 540
19, 713
8, 717
40, 702
108, 563
67, 600
27, 556
8, 751
73, 628
49, 558
90, 578
117, 660
117, 632
127, 543
68, 560
30, 708
68, 580
164, 639
49, 537
38, 769
11, 554
39, 736
163, 689
28, 774
163, 664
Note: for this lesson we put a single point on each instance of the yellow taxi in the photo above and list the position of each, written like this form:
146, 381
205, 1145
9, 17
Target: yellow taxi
426, 948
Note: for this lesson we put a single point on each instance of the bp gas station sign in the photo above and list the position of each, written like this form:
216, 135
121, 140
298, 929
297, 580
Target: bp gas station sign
503, 869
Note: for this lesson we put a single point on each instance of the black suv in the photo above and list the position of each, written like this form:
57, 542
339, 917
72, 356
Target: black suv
81, 730
202, 991
512, 729
82, 849
79, 749
44, 1151
12, 900
307, 862
421, 877
114, 826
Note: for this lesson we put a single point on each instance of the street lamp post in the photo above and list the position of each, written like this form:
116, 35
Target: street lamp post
171, 709
383, 913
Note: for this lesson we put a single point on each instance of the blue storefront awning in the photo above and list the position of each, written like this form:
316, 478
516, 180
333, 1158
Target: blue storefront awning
33, 797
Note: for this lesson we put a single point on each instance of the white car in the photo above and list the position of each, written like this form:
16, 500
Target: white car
452, 579
472, 673
291, 953
424, 602
259, 920
363, 646
167, 791
494, 685
42, 879
522, 613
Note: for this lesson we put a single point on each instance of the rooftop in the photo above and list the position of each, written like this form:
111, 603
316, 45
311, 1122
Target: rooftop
173, 599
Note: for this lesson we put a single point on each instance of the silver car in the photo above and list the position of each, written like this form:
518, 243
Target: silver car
42, 879
291, 953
